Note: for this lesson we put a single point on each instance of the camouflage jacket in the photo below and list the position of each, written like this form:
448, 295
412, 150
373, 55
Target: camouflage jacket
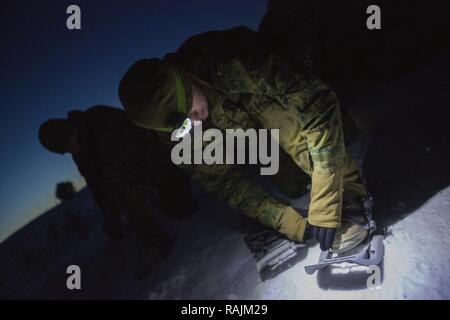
250, 85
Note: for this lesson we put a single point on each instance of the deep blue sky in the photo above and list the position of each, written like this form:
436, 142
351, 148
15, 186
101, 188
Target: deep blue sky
47, 70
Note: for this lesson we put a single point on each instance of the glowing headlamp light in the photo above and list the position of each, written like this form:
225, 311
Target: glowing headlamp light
184, 129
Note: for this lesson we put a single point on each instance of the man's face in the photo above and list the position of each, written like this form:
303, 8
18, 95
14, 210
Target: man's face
199, 111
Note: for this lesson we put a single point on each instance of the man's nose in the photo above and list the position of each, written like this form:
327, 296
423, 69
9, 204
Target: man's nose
204, 114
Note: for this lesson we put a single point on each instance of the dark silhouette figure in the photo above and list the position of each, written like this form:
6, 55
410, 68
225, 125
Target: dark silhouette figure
126, 169
64, 191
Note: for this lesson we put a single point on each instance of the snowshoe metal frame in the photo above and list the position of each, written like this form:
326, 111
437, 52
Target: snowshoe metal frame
278, 255
272, 251
372, 254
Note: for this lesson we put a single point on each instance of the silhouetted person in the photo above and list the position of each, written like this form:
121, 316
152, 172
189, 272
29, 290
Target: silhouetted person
64, 191
125, 168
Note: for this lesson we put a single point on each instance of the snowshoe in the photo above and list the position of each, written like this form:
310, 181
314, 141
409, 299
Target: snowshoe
273, 252
351, 235
372, 254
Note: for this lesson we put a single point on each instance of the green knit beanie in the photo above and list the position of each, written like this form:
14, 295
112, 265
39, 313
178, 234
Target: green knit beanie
156, 95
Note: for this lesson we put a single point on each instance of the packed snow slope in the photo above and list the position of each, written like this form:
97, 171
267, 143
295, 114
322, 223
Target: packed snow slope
407, 164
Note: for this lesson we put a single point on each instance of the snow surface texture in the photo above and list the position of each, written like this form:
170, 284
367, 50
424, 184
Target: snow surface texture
415, 266
410, 182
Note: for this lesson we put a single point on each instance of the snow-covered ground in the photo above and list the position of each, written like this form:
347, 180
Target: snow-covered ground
211, 261
408, 169
415, 265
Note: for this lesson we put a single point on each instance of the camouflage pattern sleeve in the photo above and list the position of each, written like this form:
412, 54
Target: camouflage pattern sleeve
228, 184
322, 128
307, 113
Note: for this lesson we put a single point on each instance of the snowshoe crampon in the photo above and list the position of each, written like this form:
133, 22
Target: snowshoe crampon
273, 252
372, 254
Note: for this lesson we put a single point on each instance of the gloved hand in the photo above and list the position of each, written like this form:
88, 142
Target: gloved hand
325, 236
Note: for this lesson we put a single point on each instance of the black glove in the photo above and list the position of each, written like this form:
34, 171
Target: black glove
325, 236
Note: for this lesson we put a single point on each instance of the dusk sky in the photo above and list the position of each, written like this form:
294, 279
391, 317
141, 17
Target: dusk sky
48, 70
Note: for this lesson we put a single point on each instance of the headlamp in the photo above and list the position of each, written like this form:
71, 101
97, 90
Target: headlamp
184, 128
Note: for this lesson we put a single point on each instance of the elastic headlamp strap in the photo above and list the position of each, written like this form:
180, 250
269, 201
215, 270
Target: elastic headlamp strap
181, 93
181, 97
